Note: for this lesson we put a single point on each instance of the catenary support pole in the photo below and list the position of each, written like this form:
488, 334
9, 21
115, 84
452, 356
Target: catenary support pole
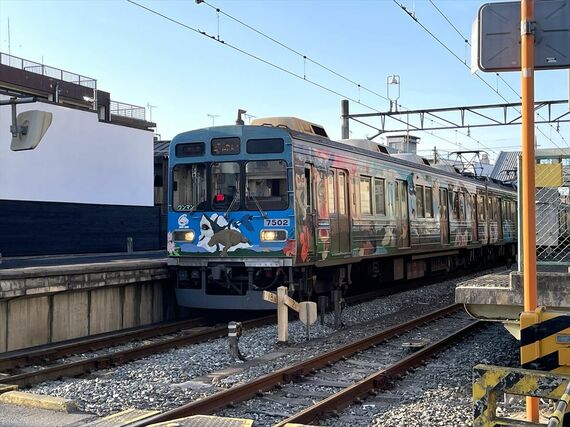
344, 129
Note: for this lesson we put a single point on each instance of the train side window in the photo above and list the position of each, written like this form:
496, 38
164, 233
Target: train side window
454, 195
481, 207
462, 211
308, 189
420, 213
379, 197
342, 193
365, 195
331, 193
428, 202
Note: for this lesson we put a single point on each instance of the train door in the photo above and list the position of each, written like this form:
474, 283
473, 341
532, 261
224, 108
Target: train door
402, 215
443, 216
474, 218
343, 212
333, 211
499, 216
339, 214
311, 220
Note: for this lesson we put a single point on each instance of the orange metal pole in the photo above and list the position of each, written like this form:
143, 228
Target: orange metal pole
528, 167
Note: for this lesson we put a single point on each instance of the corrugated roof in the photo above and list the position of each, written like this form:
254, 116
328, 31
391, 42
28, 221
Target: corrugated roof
161, 148
507, 161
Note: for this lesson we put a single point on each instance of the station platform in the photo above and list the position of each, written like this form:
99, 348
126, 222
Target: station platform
57, 298
499, 296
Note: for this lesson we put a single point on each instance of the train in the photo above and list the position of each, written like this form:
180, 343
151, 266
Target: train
279, 203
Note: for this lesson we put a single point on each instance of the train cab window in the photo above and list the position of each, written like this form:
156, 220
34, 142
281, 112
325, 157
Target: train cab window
225, 185
266, 185
189, 189
331, 193
379, 197
365, 195
428, 197
420, 208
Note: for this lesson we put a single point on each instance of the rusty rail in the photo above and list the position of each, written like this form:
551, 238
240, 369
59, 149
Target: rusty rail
378, 381
267, 382
46, 353
78, 368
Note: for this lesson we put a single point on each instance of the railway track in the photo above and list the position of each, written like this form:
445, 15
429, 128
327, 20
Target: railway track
334, 379
18, 365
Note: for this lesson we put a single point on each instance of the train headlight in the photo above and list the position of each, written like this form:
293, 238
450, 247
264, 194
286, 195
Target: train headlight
184, 236
273, 235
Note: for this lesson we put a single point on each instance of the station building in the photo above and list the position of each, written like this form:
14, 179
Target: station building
88, 186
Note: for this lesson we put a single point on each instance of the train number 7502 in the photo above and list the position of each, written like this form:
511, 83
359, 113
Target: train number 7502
273, 222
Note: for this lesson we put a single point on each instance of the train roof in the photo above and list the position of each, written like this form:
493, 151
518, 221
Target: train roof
311, 132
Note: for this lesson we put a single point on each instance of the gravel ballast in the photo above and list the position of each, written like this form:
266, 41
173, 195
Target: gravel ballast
167, 380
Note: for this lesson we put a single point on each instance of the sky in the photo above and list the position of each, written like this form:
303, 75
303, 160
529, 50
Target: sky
145, 59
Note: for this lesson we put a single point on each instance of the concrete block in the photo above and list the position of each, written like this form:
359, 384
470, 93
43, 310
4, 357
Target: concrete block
145, 308
59, 280
28, 322
70, 315
46, 290
3, 326
131, 306
157, 303
9, 285
38, 401
4, 388
105, 313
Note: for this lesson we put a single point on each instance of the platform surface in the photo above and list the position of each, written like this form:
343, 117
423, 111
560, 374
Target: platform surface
499, 296
74, 259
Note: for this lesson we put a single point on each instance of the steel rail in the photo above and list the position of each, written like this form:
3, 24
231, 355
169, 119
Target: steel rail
267, 382
113, 359
44, 353
378, 381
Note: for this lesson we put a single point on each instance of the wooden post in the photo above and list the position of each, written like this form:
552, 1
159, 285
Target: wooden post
282, 315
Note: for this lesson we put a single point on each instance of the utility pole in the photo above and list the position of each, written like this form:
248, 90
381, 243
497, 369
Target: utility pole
528, 171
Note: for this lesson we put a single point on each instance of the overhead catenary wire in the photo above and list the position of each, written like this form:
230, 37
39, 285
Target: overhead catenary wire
466, 40
258, 58
319, 64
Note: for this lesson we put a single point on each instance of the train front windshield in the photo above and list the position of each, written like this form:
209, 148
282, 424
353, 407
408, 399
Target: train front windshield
219, 186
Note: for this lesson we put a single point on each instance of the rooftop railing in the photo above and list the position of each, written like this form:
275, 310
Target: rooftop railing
128, 110
46, 70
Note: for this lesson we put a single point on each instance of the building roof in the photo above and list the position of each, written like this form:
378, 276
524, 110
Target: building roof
161, 148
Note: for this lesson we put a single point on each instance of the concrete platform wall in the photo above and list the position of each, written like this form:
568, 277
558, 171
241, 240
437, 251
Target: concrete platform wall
69, 311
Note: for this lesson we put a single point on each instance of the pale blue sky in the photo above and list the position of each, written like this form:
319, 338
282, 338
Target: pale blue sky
141, 58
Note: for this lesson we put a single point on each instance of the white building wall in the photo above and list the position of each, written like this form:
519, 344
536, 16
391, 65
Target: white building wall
79, 160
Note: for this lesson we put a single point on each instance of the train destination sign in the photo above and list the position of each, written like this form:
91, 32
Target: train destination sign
221, 146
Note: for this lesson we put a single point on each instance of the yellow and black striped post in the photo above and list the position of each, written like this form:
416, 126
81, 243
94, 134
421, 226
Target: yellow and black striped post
490, 381
545, 340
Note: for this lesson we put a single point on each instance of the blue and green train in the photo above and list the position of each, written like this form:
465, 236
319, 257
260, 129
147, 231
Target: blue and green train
278, 203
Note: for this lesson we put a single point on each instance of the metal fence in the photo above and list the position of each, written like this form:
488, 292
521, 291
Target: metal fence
46, 70
128, 110
553, 211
